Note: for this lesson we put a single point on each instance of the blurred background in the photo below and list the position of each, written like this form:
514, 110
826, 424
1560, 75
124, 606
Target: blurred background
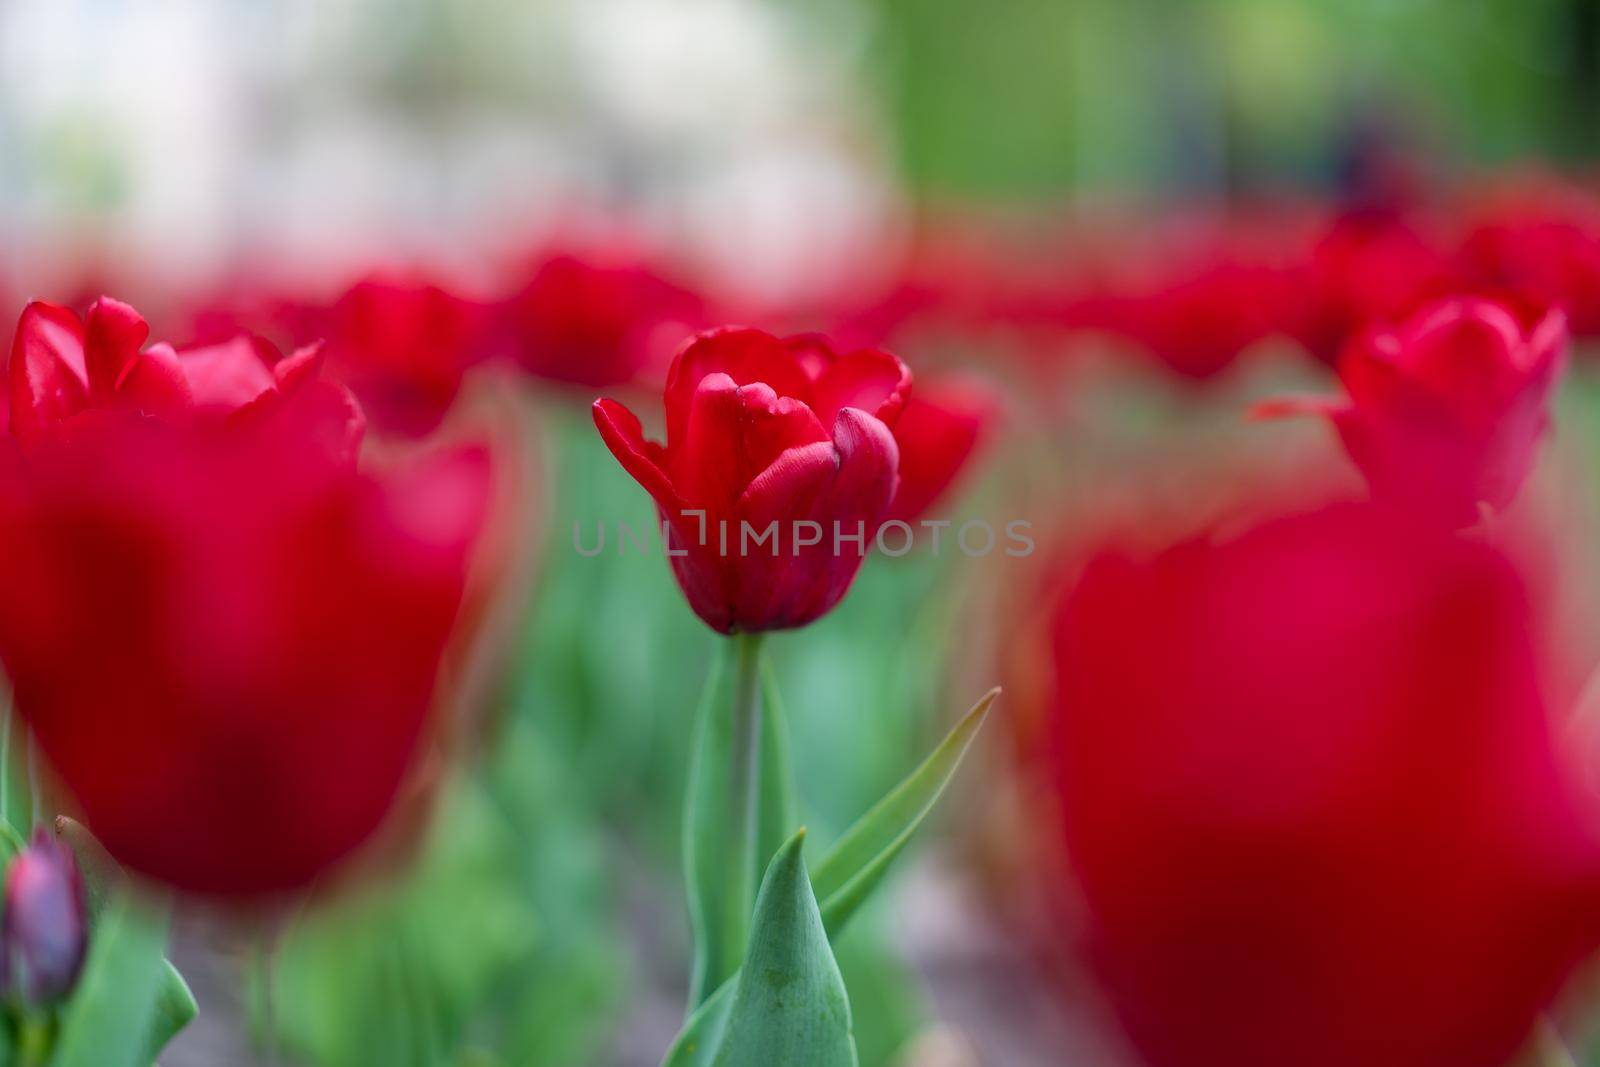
792, 160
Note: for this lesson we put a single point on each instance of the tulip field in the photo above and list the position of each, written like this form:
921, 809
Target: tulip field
711, 534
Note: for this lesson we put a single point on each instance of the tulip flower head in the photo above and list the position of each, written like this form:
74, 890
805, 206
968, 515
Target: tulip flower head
1365, 269
224, 637
44, 929
1446, 412
403, 348
779, 464
64, 370
1313, 801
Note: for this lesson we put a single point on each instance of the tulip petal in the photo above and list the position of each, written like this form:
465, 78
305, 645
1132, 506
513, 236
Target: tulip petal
845, 487
770, 425
153, 383
873, 381
113, 335
302, 366
644, 460
226, 376
869, 461
706, 461
442, 502
746, 356
938, 432
48, 381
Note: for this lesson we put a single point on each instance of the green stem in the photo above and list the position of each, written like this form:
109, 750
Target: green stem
744, 779
35, 1040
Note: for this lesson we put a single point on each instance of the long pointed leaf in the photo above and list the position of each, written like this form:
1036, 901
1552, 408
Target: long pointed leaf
854, 867
109, 1017
175, 1008
859, 860
701, 1037
789, 1008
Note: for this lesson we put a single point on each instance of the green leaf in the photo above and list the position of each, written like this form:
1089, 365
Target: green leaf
175, 1008
740, 799
789, 1007
104, 881
16, 791
858, 861
853, 868
701, 1037
101, 873
109, 1021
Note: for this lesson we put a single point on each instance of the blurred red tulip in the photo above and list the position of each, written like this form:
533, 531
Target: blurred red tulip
402, 347
1311, 798
63, 367
940, 429
1446, 412
764, 432
1194, 300
225, 643
1364, 270
46, 924
1541, 241
596, 325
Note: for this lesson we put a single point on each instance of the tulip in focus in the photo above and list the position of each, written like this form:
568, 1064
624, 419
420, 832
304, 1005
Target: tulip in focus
1446, 412
1312, 799
44, 930
766, 432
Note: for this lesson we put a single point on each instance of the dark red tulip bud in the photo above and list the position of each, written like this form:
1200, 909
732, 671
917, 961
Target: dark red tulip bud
44, 930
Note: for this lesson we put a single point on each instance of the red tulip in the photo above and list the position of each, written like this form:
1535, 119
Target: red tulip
1311, 796
63, 368
46, 924
762, 433
1194, 300
1542, 243
1446, 412
403, 348
1365, 269
596, 325
225, 643
940, 429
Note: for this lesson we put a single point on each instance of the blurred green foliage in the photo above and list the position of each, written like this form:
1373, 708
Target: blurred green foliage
1032, 98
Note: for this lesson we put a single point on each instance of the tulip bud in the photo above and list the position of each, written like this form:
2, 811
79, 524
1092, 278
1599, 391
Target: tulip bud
44, 929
